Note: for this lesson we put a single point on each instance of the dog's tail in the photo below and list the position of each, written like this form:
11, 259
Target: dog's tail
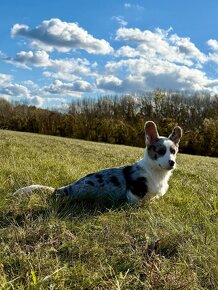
29, 189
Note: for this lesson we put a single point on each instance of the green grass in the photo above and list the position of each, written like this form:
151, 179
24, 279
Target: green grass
170, 243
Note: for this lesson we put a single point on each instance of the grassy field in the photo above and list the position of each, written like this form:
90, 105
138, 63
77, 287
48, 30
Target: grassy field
171, 243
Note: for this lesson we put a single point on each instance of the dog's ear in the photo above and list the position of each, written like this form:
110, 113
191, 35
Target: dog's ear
151, 133
176, 135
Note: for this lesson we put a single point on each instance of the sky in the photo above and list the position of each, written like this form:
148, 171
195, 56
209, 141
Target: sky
52, 52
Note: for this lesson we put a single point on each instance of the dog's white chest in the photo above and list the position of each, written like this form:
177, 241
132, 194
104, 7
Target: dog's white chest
157, 187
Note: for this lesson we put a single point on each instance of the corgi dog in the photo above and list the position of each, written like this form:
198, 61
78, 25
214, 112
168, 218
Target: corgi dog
145, 179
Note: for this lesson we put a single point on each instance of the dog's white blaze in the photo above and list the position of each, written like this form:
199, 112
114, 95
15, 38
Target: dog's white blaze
164, 160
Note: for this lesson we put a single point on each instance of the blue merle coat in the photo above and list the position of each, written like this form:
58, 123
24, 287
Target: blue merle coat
109, 184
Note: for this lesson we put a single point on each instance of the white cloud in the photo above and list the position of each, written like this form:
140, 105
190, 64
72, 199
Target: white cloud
76, 88
133, 34
25, 59
109, 83
15, 90
21, 93
158, 59
2, 55
33, 100
144, 60
30, 84
128, 85
127, 5
148, 74
133, 6
66, 76
187, 48
55, 34
213, 44
79, 67
160, 44
120, 19
53, 99
127, 51
5, 78
68, 69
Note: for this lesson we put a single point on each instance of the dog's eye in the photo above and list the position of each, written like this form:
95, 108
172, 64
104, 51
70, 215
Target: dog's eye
173, 151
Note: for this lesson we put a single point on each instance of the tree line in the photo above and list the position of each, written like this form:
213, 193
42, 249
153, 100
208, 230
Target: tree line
120, 119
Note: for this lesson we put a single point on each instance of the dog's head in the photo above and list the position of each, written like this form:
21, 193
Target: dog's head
162, 150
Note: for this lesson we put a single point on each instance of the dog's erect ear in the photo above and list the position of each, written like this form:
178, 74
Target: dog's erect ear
176, 135
151, 133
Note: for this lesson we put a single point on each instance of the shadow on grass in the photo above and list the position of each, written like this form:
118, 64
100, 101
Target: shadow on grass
69, 207
61, 207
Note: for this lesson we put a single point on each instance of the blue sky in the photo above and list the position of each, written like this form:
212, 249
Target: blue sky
54, 51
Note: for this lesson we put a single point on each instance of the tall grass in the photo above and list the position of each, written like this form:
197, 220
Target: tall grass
46, 243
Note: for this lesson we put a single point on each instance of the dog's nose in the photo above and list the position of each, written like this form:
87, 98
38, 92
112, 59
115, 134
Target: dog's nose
171, 163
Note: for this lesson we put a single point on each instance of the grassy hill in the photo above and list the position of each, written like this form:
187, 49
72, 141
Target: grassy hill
170, 243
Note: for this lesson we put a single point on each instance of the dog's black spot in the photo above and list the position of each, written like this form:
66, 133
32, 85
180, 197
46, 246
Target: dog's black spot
66, 191
90, 183
151, 148
115, 181
162, 150
99, 178
137, 167
157, 150
89, 175
137, 186
151, 152
127, 170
